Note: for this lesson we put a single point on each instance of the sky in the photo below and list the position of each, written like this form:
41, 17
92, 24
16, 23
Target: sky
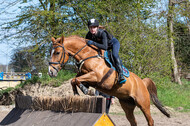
7, 15
5, 54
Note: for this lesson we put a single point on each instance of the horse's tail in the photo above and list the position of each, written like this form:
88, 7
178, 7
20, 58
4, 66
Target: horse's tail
153, 95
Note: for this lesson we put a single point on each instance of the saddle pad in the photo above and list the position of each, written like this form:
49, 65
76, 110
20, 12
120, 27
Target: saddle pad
125, 70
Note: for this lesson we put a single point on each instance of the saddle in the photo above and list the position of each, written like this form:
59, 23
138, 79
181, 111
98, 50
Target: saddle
110, 61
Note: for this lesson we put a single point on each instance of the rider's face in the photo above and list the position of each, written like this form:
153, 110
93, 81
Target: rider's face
93, 29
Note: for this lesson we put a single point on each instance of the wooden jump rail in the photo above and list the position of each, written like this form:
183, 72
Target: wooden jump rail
58, 111
92, 104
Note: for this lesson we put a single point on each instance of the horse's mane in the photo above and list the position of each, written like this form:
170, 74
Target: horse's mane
75, 37
83, 40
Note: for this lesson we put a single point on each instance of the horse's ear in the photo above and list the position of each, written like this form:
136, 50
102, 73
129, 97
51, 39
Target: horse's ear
53, 39
62, 39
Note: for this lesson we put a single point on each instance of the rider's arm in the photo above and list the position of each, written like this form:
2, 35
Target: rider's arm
88, 36
104, 44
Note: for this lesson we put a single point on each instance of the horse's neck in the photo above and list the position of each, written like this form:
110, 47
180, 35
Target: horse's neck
75, 45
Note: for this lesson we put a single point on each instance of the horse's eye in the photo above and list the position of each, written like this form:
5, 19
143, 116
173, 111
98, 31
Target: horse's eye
57, 53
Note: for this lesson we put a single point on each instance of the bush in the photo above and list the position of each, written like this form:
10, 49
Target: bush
5, 91
63, 75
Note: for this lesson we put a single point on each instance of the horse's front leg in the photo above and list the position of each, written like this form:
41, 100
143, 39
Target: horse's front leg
74, 83
77, 81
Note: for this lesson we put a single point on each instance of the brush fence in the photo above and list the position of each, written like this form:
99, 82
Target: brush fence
89, 104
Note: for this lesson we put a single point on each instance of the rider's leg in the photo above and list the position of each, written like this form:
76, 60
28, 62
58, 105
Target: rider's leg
119, 68
115, 52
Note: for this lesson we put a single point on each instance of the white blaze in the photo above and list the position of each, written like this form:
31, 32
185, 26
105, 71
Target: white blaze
52, 51
51, 57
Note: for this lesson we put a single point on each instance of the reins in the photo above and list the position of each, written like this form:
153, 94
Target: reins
79, 50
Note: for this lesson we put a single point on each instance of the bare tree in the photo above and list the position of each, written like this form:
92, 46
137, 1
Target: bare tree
170, 36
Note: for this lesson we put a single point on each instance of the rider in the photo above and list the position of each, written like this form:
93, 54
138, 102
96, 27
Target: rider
103, 40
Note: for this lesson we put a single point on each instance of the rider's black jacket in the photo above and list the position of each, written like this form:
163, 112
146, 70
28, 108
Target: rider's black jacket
101, 40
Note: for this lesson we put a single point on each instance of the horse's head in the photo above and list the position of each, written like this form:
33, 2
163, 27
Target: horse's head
59, 56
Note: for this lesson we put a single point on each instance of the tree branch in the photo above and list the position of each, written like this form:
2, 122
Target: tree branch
42, 4
179, 2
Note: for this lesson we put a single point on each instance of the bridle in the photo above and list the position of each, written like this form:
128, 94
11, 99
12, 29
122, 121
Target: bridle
63, 56
78, 64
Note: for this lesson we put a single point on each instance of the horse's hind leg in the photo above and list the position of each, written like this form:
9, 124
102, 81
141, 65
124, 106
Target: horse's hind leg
144, 104
129, 106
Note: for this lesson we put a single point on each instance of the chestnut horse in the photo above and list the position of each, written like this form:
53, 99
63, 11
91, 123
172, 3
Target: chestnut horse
134, 92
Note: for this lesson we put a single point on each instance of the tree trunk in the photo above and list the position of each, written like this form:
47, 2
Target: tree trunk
170, 36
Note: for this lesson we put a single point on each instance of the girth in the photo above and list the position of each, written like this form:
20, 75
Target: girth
106, 76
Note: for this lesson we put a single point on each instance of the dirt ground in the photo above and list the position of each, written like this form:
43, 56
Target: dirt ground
179, 119
116, 113
6, 84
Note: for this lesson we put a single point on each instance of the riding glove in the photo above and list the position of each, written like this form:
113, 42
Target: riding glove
90, 42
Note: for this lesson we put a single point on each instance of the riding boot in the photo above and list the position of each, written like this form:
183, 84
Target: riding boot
121, 78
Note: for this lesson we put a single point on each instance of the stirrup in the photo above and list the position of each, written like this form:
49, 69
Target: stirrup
123, 81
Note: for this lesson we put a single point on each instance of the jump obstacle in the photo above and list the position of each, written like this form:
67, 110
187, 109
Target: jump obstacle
11, 79
58, 111
14, 76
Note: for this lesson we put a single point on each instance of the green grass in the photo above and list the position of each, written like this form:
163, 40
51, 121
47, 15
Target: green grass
57, 81
118, 113
174, 95
6, 91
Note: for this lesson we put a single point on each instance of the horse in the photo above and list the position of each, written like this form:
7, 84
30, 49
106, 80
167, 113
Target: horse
95, 72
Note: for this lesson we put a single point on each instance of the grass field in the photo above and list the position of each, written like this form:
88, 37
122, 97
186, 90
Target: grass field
174, 95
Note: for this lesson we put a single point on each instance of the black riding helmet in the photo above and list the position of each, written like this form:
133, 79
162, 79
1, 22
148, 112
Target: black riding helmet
93, 22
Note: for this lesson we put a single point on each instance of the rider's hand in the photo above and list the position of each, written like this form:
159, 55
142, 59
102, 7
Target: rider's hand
90, 42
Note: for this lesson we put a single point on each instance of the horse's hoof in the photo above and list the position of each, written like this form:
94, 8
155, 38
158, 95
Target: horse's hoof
91, 92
